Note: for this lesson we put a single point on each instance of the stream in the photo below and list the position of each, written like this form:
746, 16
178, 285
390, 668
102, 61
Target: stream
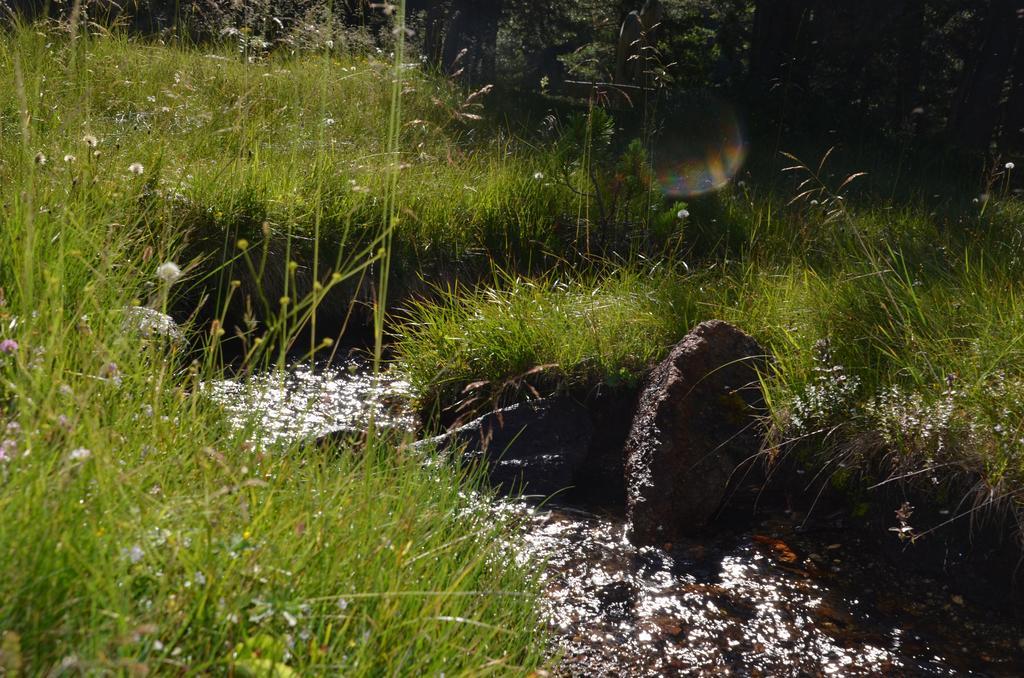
769, 594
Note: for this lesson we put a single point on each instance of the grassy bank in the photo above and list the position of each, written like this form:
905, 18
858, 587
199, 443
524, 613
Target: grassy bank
139, 531
289, 151
896, 333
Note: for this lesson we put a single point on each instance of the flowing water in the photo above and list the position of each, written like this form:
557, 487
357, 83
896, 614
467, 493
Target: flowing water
769, 595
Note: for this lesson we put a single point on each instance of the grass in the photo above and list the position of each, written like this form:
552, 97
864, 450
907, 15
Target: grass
139, 530
896, 332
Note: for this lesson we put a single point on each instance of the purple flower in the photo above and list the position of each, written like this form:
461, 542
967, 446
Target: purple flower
110, 372
8, 346
8, 448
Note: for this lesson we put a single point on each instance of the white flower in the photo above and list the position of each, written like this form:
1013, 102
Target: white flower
80, 454
136, 168
538, 175
168, 272
329, 121
1009, 165
90, 140
682, 214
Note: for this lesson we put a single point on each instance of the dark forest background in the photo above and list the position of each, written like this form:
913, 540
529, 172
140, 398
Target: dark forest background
945, 71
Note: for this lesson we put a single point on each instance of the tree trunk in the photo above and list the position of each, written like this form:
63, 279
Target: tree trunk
775, 45
472, 33
977, 109
1013, 127
909, 68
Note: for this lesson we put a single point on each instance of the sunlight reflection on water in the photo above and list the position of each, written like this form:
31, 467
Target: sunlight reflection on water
762, 599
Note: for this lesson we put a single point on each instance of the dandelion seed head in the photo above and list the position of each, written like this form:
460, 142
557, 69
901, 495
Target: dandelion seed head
682, 214
538, 175
90, 141
1009, 165
168, 272
136, 168
68, 158
40, 158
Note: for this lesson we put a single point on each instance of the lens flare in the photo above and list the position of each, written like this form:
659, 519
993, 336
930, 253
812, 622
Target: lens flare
705, 151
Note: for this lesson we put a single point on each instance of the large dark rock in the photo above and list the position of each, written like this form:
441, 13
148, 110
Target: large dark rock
537, 447
695, 423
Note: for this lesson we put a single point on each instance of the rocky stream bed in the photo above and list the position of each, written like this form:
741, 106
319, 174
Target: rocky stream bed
774, 592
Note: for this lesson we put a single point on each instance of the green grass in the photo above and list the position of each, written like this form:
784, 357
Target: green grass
173, 544
896, 333
288, 148
138, 529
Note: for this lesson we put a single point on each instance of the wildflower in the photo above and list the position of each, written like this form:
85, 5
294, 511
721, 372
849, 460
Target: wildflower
80, 454
69, 158
329, 121
110, 371
136, 168
1009, 165
168, 272
683, 214
538, 175
8, 447
342, 604
135, 553
8, 346
40, 158
90, 141
200, 578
